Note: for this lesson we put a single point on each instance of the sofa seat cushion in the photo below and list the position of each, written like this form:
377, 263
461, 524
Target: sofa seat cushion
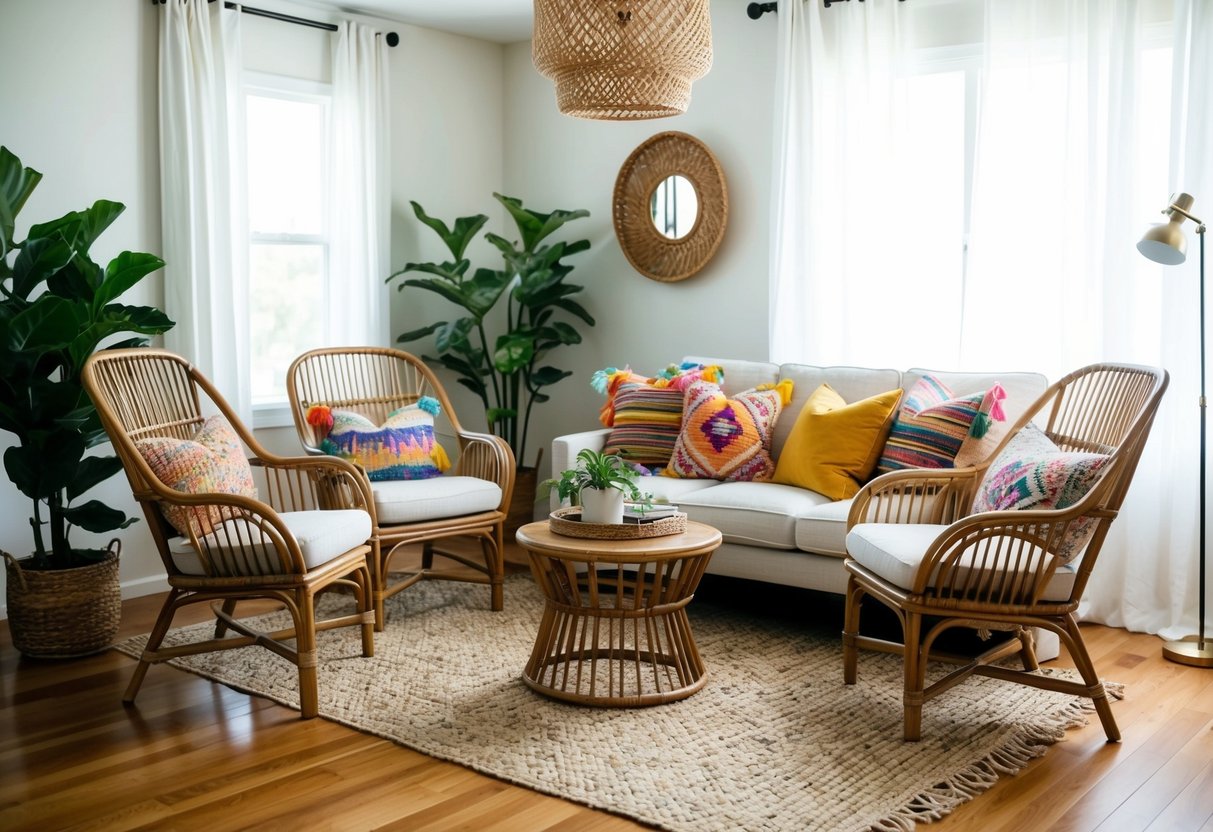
894, 550
822, 529
321, 535
672, 490
416, 501
754, 513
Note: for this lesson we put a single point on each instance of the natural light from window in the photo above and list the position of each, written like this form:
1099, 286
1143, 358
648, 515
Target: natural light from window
288, 240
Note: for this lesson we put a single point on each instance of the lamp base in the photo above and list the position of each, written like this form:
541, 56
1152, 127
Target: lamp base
1190, 650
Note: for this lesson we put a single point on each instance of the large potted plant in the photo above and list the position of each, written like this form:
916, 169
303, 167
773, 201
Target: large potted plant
56, 308
501, 357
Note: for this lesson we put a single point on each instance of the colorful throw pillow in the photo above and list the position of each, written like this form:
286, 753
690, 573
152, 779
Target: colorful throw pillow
987, 432
646, 423
645, 413
932, 425
727, 438
678, 377
834, 446
403, 448
212, 461
1032, 473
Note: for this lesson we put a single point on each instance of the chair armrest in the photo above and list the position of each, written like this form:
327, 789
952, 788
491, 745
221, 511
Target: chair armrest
935, 496
488, 457
1007, 557
302, 483
565, 449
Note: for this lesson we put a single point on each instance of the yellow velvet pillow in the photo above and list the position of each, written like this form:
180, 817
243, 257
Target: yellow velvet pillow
834, 446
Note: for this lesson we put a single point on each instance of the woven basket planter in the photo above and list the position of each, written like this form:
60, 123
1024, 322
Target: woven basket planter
60, 613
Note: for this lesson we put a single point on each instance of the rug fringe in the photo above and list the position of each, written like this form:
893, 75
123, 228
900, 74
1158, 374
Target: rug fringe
1028, 743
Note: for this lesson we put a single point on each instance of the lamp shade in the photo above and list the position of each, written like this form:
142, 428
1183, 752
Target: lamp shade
1164, 243
622, 59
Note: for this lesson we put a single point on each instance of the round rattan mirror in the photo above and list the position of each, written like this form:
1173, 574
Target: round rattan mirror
670, 206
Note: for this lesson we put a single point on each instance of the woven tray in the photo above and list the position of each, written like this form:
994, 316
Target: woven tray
567, 521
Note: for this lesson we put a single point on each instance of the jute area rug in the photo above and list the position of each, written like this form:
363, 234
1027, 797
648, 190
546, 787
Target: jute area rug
775, 741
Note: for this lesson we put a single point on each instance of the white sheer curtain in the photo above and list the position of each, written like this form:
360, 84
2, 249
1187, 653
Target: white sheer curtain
1091, 113
360, 208
203, 217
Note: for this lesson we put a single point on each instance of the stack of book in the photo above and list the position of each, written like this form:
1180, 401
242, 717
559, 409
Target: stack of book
638, 513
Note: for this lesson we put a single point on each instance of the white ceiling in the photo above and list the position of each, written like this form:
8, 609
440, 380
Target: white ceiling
503, 21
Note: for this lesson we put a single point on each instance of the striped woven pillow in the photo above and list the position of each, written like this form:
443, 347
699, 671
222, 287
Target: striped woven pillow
645, 413
646, 423
932, 425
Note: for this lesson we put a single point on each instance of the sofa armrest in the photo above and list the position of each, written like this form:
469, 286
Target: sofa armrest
564, 453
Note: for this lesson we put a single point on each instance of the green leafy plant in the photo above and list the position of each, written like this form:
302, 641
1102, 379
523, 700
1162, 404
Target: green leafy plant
507, 372
56, 308
597, 470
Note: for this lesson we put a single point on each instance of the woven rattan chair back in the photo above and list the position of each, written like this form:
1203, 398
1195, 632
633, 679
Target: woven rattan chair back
371, 381
245, 548
374, 381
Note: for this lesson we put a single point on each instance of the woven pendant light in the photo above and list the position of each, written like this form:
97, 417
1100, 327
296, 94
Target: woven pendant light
622, 59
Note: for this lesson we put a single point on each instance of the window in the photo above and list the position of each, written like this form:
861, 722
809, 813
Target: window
289, 242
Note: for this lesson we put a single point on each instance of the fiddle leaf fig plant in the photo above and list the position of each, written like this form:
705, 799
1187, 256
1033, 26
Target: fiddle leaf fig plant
56, 308
507, 371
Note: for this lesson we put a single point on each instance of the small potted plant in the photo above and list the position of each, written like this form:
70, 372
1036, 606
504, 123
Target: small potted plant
599, 484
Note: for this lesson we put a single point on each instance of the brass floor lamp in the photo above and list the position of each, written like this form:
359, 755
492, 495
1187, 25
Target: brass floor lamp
1164, 243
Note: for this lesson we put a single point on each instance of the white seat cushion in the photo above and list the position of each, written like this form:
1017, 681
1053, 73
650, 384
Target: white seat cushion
415, 501
321, 535
823, 529
894, 550
672, 489
755, 513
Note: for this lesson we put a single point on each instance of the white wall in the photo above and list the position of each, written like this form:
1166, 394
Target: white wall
555, 161
80, 106
468, 118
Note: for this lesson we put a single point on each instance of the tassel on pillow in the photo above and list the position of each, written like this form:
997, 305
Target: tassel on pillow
320, 417
990, 412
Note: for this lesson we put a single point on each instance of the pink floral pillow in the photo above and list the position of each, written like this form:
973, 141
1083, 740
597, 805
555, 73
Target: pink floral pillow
1032, 473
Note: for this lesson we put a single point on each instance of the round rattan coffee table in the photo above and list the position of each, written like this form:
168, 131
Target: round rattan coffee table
614, 631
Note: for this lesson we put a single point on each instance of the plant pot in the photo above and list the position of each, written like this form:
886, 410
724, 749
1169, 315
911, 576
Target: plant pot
602, 506
61, 613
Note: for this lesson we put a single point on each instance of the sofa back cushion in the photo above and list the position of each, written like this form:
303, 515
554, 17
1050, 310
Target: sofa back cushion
853, 384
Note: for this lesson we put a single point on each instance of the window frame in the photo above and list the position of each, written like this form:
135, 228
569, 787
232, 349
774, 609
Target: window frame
277, 414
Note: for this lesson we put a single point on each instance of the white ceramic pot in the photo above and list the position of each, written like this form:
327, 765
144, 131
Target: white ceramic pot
601, 506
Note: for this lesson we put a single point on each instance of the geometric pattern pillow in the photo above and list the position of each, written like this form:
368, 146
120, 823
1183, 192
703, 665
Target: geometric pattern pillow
403, 448
1027, 475
213, 461
726, 438
932, 426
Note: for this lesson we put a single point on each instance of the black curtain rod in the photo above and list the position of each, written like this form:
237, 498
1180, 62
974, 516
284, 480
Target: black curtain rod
757, 10
391, 37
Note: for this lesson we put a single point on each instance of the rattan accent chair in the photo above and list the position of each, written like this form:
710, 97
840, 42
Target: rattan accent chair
914, 546
373, 382
307, 531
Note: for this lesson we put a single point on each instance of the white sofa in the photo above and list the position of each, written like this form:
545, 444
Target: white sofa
781, 533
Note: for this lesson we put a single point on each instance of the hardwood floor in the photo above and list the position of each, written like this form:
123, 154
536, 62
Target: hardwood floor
194, 754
